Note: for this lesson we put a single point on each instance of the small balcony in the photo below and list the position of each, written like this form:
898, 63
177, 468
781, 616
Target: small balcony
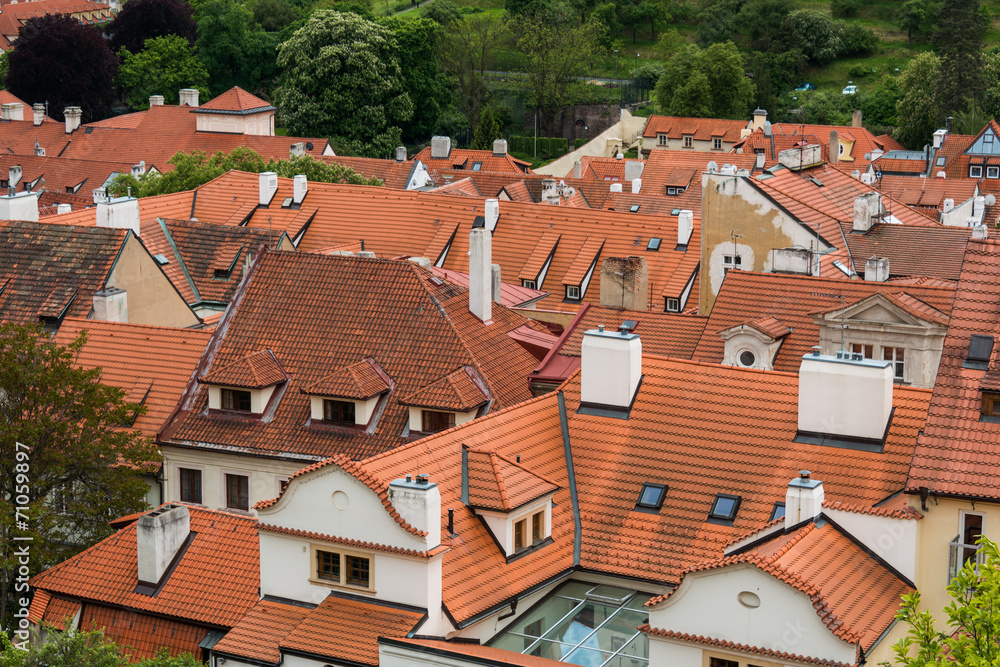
959, 554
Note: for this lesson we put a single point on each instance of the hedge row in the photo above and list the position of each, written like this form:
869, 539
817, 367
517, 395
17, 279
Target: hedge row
548, 148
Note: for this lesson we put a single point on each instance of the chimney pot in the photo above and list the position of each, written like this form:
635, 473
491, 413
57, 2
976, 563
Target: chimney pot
73, 116
804, 474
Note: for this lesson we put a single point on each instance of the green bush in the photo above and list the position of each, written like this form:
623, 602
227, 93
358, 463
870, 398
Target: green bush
577, 143
844, 7
544, 147
857, 40
559, 146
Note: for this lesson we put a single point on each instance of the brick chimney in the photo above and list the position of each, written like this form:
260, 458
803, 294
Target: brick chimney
624, 283
73, 117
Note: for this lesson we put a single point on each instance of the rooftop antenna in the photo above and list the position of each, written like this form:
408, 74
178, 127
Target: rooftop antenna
735, 236
843, 326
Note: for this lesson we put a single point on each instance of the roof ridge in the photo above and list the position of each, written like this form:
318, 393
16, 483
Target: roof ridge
115, 325
501, 487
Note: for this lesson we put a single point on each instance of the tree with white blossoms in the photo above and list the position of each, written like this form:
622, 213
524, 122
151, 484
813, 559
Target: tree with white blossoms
341, 79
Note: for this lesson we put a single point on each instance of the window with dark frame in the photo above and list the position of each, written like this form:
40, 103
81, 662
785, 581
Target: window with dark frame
537, 527
237, 492
895, 355
343, 569
778, 511
357, 572
866, 351
338, 412
722, 662
434, 421
991, 404
328, 566
724, 508
717, 143
651, 497
236, 399
190, 485
662, 139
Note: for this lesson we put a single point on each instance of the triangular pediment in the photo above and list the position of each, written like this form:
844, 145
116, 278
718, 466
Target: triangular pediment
879, 313
875, 309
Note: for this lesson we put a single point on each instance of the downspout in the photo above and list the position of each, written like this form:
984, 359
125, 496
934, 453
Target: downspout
571, 476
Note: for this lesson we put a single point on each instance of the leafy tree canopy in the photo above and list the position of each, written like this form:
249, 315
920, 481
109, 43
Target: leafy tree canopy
341, 78
274, 15
959, 38
816, 33
76, 648
235, 50
194, 169
443, 12
705, 82
166, 65
140, 20
425, 83
487, 130
59, 60
467, 51
918, 113
78, 469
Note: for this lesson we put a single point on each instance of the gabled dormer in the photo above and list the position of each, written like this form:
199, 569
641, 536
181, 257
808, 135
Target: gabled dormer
513, 502
451, 400
754, 344
247, 386
351, 396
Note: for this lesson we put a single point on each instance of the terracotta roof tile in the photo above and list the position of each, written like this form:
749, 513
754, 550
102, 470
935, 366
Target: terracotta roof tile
455, 391
511, 295
141, 635
255, 370
769, 326
257, 634
666, 334
584, 260
235, 99
60, 610
745, 648
676, 127
361, 380
39, 604
333, 539
539, 256
215, 583
497, 483
132, 355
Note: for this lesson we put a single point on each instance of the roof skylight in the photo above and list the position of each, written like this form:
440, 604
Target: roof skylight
724, 508
778, 511
654, 244
651, 497
980, 351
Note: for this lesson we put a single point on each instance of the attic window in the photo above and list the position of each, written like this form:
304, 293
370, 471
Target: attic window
629, 325
235, 399
777, 512
940, 161
991, 406
634, 208
573, 292
287, 202
221, 274
476, 166
653, 245
530, 284
980, 351
651, 497
724, 509
161, 259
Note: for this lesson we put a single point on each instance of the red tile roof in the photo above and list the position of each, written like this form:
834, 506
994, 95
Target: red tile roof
255, 370
58, 611
162, 359
957, 452
940, 256
460, 161
666, 334
141, 635
456, 391
511, 295
236, 99
320, 313
468, 652
62, 176
498, 483
362, 380
701, 129
215, 583
743, 648
257, 634
792, 300
392, 174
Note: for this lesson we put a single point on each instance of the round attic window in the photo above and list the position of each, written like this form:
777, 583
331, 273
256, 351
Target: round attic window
747, 358
748, 599
340, 500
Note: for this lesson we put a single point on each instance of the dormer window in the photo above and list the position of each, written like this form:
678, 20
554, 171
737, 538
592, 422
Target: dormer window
529, 531
446, 402
573, 292
221, 274
991, 405
245, 386
236, 399
529, 284
349, 395
338, 412
433, 421
975, 171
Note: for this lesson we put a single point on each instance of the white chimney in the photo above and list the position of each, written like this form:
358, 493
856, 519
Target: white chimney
611, 367
19, 206
73, 117
298, 149
12, 111
367, 254
577, 169
111, 305
139, 169
100, 195
14, 176
268, 181
440, 147
636, 185
867, 208
550, 193
939, 136
492, 213
495, 284
418, 502
877, 269
156, 101
500, 147
834, 147
119, 213
37, 114
400, 153
803, 499
63, 208
300, 186
633, 169
685, 227
421, 261
978, 207
159, 535
949, 204
481, 274
979, 231
759, 116
844, 396
856, 174
616, 187
188, 96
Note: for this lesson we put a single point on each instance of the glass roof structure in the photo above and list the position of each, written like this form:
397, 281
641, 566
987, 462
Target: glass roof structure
583, 624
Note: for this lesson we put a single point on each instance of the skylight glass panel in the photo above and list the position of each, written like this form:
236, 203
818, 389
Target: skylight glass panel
651, 496
778, 512
724, 508
634, 208
654, 244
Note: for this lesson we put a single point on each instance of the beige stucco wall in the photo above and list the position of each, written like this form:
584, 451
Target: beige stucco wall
152, 298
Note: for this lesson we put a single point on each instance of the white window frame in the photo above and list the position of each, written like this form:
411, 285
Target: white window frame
739, 360
676, 303
528, 284
901, 376
573, 292
975, 171
688, 141
662, 139
717, 143
992, 172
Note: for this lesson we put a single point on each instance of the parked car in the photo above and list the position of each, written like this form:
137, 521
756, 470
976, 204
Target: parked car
806, 87
850, 90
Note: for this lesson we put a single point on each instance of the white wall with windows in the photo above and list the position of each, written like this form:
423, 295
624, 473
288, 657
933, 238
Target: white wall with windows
522, 528
431, 421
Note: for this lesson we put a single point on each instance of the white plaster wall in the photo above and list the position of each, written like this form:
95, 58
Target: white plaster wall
502, 524
717, 272
286, 567
260, 124
264, 474
763, 349
611, 367
893, 540
706, 604
332, 502
666, 653
259, 399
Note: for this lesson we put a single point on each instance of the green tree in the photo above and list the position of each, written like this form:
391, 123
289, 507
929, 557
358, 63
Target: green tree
487, 130
913, 18
959, 38
774, 74
918, 112
816, 33
423, 79
74, 470
844, 8
973, 619
705, 82
857, 40
552, 57
341, 78
878, 105
235, 50
443, 12
763, 21
274, 15
166, 65
467, 51
79, 648
717, 22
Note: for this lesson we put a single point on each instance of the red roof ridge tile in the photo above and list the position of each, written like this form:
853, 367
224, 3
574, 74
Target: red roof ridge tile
375, 546
892, 512
522, 489
254, 370
722, 643
361, 474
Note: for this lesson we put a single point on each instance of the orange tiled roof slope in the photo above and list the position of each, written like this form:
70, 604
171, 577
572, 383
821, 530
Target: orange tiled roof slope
785, 136
13, 15
362, 380
320, 313
141, 635
957, 453
957, 151
215, 583
497, 483
238, 100
940, 255
60, 175
666, 334
393, 174
455, 391
255, 370
52, 271
464, 159
792, 300
852, 592
700, 430
159, 360
928, 194
702, 129
468, 652
257, 634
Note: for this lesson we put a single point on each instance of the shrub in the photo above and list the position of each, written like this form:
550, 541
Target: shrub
857, 40
844, 7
